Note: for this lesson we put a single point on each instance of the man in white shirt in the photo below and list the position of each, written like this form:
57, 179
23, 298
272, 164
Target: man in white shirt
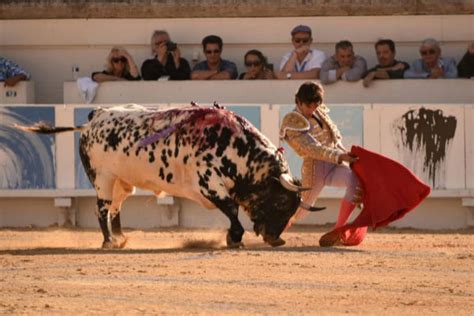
303, 62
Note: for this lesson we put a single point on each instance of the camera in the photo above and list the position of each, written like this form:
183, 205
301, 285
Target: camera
171, 46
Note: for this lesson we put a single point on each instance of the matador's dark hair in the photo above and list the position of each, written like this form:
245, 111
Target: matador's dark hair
310, 92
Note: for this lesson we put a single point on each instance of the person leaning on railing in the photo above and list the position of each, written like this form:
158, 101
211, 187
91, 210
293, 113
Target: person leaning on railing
302, 62
11, 73
466, 65
214, 67
431, 65
257, 66
120, 66
388, 67
343, 65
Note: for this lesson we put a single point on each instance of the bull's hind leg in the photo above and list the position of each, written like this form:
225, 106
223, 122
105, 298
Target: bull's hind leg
110, 195
121, 191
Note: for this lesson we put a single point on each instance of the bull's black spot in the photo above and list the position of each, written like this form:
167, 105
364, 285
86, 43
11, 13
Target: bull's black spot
241, 147
151, 156
228, 168
169, 177
185, 159
113, 139
162, 174
176, 149
223, 141
202, 182
136, 135
208, 157
164, 158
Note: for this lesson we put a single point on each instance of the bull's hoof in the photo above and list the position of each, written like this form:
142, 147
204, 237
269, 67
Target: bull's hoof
116, 243
233, 244
330, 239
275, 242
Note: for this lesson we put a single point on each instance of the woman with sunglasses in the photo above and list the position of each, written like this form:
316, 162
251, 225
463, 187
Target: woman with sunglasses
257, 67
120, 66
431, 65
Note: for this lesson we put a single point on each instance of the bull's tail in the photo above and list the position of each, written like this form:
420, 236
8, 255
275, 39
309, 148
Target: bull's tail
44, 128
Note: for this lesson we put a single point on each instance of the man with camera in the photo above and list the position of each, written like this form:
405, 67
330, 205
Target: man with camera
167, 63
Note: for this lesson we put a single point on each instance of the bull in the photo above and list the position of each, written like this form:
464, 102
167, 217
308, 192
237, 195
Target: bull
209, 155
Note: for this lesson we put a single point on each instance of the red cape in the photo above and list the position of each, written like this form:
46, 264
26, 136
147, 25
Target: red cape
390, 192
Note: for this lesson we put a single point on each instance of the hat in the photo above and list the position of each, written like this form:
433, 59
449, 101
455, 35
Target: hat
301, 29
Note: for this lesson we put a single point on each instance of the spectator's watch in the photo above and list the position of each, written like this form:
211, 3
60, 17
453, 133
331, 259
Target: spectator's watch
288, 75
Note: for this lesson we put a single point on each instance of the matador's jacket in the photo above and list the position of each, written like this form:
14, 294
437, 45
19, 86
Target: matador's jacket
317, 138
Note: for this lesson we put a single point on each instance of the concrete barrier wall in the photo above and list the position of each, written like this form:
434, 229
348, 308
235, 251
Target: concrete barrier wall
49, 49
22, 93
38, 177
276, 92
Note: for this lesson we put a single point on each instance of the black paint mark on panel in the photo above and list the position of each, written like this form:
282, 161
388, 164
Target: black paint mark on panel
430, 132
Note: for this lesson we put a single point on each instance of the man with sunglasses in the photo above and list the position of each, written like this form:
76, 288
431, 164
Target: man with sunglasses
303, 62
344, 65
388, 67
432, 65
214, 67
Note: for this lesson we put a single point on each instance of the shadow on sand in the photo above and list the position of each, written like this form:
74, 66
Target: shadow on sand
89, 251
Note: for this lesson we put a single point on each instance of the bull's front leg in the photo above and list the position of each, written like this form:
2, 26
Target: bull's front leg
236, 231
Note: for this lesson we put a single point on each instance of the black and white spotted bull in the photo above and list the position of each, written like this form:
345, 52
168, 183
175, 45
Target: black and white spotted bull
209, 155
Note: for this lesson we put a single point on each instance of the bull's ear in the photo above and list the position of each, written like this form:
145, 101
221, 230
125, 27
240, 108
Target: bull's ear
311, 208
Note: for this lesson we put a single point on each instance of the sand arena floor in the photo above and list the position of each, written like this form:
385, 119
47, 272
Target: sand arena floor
176, 271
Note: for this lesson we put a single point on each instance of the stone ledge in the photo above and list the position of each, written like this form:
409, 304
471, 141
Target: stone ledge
63, 9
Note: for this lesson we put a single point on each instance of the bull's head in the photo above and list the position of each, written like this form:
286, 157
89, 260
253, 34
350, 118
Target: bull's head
275, 206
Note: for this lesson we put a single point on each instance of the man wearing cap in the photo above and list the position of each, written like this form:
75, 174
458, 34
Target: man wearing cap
303, 62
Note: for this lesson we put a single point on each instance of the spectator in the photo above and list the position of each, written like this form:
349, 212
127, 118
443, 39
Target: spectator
11, 73
167, 63
214, 67
303, 62
257, 67
388, 67
120, 66
344, 65
466, 65
432, 65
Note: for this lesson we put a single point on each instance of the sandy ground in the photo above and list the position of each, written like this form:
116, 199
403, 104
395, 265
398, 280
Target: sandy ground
397, 272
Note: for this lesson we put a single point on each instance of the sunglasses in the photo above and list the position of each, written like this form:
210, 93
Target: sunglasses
119, 59
427, 52
215, 51
252, 63
301, 40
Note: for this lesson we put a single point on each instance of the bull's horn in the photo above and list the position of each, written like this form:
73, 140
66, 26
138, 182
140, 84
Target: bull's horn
311, 208
285, 180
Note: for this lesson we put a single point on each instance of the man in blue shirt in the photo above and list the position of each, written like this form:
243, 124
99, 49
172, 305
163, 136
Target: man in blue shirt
432, 65
214, 67
11, 73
